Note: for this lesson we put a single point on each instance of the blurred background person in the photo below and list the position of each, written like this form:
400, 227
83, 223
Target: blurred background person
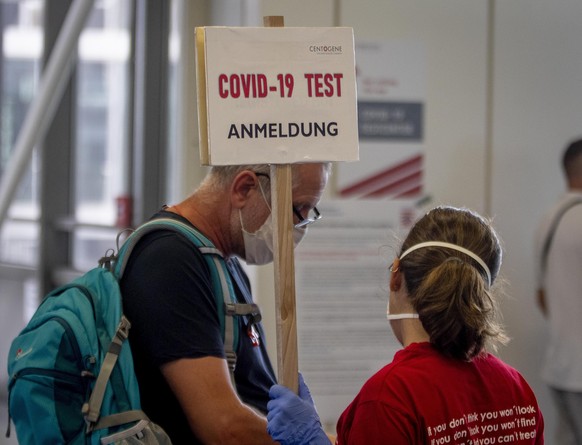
559, 261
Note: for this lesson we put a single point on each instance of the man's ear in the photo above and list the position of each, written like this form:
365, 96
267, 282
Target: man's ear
242, 186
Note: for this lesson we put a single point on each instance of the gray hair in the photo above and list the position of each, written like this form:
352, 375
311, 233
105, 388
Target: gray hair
221, 176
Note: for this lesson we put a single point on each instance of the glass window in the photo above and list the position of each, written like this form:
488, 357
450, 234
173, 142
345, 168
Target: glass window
102, 179
174, 98
20, 67
21, 42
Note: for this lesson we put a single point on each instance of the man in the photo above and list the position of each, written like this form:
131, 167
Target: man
176, 332
559, 252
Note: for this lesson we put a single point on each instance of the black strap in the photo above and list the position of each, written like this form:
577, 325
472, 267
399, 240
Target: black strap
553, 228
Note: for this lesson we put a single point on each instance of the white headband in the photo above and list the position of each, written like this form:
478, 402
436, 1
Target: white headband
454, 247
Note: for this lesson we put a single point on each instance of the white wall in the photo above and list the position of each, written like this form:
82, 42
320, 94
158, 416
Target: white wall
497, 119
537, 110
454, 35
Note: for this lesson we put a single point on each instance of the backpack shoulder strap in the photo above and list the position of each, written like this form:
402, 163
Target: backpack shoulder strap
222, 287
552, 230
124, 253
92, 408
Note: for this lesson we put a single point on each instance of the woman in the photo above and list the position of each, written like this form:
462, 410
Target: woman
443, 387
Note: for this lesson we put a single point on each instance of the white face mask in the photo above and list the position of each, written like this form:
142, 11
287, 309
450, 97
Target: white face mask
400, 316
390, 316
259, 245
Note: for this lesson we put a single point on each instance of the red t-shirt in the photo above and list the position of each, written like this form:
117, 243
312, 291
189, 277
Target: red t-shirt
423, 397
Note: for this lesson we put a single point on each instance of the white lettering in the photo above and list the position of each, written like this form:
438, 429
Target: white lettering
508, 425
489, 428
488, 415
440, 428
525, 409
487, 441
456, 423
460, 434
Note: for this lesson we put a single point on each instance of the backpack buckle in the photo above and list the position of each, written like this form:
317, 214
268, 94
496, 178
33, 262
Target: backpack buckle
108, 259
90, 418
231, 360
230, 309
123, 328
249, 309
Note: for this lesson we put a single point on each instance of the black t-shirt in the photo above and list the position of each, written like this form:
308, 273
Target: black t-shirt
167, 297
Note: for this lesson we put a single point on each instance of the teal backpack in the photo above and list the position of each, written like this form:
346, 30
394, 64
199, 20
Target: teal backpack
71, 375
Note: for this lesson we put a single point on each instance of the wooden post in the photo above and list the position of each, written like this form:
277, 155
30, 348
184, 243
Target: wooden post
284, 263
273, 21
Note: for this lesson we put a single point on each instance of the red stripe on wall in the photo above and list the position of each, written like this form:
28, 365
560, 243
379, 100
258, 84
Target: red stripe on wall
411, 193
405, 175
398, 187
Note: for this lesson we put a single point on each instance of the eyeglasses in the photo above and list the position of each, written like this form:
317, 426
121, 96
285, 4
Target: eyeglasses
312, 216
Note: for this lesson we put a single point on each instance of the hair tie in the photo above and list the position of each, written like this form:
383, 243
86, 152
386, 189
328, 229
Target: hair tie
454, 247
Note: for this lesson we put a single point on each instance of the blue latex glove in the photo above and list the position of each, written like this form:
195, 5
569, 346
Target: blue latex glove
292, 419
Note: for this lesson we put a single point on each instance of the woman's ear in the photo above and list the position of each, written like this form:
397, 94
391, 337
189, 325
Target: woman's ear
241, 188
395, 276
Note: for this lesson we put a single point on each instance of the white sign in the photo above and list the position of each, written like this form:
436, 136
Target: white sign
276, 95
342, 292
